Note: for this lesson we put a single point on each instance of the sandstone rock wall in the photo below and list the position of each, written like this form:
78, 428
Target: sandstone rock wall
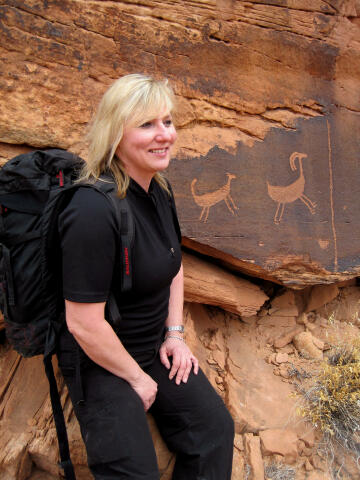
256, 83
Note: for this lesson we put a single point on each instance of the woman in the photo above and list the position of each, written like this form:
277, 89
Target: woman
114, 377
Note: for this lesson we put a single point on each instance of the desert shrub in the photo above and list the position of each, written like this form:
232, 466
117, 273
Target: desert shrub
298, 373
247, 471
332, 402
278, 471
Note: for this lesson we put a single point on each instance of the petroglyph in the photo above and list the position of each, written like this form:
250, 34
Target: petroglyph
290, 193
207, 200
331, 191
324, 244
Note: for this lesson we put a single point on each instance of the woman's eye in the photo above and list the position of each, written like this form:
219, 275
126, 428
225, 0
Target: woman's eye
168, 122
145, 125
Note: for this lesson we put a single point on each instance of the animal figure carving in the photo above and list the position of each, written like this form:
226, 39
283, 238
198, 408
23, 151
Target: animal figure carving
207, 200
292, 192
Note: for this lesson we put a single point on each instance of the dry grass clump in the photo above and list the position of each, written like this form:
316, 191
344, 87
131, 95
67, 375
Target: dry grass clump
278, 471
299, 373
333, 401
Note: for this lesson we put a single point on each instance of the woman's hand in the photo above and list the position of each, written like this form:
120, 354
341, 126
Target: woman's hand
182, 359
146, 388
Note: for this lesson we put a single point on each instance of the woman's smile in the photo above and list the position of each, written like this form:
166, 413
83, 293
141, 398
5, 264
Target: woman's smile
159, 151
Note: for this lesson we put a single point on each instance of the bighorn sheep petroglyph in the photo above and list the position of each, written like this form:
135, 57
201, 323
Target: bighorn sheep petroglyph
207, 200
292, 192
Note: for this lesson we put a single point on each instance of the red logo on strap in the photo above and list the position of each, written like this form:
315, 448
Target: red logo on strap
60, 176
127, 264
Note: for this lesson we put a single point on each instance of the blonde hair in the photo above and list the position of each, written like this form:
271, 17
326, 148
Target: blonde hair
130, 101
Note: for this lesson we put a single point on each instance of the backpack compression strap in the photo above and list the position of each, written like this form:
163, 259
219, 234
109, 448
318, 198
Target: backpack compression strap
58, 414
10, 242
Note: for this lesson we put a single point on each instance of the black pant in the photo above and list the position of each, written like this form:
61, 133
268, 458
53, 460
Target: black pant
191, 417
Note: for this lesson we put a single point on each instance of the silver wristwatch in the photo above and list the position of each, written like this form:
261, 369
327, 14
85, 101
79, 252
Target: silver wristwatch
175, 328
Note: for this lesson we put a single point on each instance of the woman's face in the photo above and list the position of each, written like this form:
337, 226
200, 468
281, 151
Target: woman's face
145, 150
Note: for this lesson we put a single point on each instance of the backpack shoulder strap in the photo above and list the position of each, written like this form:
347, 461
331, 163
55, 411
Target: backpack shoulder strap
126, 228
127, 233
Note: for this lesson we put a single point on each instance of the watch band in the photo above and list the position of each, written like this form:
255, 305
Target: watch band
175, 328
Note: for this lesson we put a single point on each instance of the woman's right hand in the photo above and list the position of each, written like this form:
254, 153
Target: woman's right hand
87, 323
146, 388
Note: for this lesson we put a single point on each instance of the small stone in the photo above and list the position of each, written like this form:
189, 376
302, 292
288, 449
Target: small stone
286, 338
306, 347
239, 442
271, 359
300, 446
254, 457
284, 371
282, 358
211, 361
281, 442
219, 357
302, 319
319, 343
308, 437
307, 452
289, 349
321, 295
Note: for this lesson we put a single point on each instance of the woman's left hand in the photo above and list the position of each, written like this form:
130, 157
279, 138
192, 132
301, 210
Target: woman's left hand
182, 359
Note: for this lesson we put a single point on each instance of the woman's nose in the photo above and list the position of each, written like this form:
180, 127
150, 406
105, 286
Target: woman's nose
163, 133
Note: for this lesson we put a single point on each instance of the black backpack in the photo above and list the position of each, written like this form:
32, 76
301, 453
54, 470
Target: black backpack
34, 189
